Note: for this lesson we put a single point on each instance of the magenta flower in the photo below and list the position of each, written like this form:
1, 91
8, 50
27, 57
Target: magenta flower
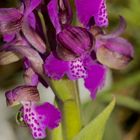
36, 117
85, 67
13, 20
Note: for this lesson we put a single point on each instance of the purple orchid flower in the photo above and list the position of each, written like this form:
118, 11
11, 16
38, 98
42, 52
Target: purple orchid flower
13, 20
36, 117
72, 56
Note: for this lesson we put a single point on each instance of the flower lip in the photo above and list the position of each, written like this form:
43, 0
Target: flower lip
76, 41
22, 93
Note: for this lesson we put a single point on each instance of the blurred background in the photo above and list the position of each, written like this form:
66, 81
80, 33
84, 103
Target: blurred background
124, 123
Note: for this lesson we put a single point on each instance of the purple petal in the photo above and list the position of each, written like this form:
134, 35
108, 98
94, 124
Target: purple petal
30, 5
89, 9
34, 120
76, 70
118, 31
40, 117
32, 55
76, 39
101, 19
8, 37
33, 38
22, 93
52, 114
30, 77
114, 52
10, 20
53, 13
95, 79
31, 20
55, 68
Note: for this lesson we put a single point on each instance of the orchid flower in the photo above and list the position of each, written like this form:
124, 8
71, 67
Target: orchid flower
36, 117
13, 20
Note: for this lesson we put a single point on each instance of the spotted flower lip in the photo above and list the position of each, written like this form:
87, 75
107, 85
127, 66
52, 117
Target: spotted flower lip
36, 117
92, 72
22, 93
76, 41
40, 117
92, 12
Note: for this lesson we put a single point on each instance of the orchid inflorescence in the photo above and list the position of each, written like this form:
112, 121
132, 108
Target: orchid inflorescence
42, 34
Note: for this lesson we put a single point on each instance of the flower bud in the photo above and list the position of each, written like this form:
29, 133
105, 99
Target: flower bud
115, 53
74, 42
22, 93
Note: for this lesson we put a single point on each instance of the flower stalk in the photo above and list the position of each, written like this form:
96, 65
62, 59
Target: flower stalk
69, 104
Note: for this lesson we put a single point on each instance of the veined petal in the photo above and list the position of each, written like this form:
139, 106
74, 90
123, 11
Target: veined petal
30, 5
53, 13
55, 68
22, 93
78, 41
8, 57
30, 77
95, 79
10, 20
38, 118
89, 10
33, 56
115, 53
33, 38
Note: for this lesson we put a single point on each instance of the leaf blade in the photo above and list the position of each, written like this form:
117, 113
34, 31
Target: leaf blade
95, 129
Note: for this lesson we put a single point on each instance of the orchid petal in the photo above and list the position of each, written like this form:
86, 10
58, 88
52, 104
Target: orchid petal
95, 80
30, 5
77, 40
89, 9
10, 20
76, 70
54, 67
38, 118
22, 93
114, 52
8, 37
53, 13
52, 114
101, 18
33, 38
31, 20
118, 31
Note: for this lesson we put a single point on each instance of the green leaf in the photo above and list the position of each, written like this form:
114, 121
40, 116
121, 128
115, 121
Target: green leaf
95, 129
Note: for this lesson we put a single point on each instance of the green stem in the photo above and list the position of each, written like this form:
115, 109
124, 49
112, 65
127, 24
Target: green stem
69, 104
